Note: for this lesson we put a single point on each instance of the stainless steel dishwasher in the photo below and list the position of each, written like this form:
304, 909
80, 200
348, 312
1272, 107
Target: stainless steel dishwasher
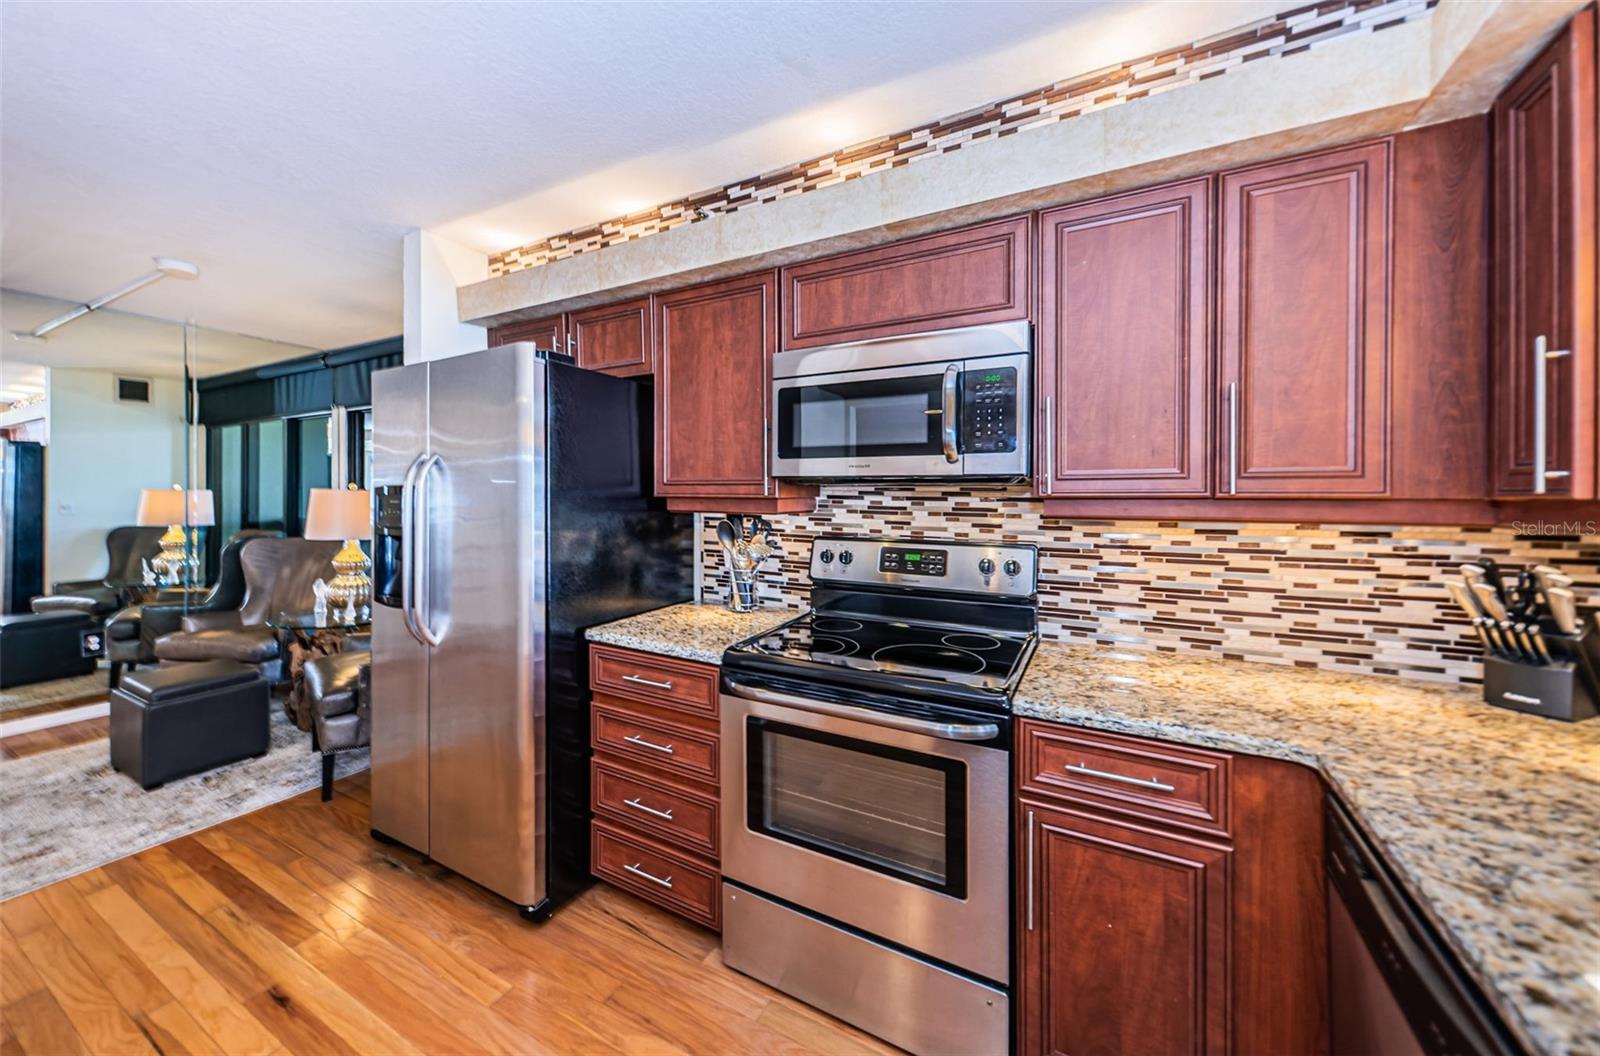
1397, 990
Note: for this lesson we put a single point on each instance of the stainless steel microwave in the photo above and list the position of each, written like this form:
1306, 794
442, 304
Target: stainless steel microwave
953, 403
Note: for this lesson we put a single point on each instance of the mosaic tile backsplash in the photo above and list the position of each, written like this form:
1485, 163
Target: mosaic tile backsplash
1294, 30
1340, 597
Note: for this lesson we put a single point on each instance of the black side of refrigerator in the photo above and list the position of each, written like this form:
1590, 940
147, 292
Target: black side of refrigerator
614, 551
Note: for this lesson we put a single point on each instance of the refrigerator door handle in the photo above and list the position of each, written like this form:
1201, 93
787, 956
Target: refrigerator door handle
419, 614
408, 561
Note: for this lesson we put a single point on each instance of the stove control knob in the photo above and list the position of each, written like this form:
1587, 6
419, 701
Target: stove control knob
1012, 567
845, 557
986, 566
827, 557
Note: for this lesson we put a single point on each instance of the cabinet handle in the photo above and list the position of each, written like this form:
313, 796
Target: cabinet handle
766, 455
634, 738
654, 879
636, 805
646, 681
1520, 698
572, 343
1030, 870
1542, 355
1049, 445
1089, 771
1233, 438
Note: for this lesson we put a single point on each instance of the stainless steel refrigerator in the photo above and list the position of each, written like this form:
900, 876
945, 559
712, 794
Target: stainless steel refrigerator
513, 510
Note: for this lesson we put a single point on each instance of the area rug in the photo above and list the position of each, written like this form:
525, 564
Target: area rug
67, 811
57, 691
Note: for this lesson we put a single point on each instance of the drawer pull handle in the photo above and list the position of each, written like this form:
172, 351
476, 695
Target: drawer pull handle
1520, 698
647, 682
654, 879
634, 738
1089, 771
636, 805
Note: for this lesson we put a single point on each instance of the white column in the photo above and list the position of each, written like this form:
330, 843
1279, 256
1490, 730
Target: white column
434, 267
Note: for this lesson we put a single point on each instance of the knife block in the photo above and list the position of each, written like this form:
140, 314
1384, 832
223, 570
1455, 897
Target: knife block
1565, 690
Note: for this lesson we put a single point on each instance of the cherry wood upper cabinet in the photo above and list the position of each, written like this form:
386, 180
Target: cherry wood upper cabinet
714, 346
1545, 277
1124, 344
546, 333
1303, 337
955, 278
1124, 938
614, 339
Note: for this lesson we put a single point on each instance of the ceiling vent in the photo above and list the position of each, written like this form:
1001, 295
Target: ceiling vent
133, 390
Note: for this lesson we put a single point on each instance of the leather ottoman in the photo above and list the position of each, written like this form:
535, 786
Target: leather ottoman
40, 646
169, 722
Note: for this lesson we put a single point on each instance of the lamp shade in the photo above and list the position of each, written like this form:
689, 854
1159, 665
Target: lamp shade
339, 514
202, 510
160, 507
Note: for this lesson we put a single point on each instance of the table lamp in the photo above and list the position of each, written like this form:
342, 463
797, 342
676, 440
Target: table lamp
347, 515
174, 508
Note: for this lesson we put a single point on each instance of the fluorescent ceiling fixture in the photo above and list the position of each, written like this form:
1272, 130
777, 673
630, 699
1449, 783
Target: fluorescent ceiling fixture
166, 268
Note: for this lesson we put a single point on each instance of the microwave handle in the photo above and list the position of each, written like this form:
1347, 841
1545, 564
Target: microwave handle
949, 410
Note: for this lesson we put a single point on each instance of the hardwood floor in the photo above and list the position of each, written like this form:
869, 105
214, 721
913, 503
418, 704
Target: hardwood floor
291, 930
53, 737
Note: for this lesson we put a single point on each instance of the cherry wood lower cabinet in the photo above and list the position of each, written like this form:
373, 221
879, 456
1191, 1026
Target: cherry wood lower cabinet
655, 780
1139, 935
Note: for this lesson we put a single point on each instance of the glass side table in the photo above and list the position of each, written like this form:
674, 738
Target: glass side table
302, 639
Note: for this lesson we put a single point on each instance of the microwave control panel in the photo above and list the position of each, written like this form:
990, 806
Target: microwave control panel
989, 410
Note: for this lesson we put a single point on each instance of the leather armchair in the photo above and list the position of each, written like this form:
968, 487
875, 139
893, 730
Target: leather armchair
278, 574
126, 548
338, 690
159, 618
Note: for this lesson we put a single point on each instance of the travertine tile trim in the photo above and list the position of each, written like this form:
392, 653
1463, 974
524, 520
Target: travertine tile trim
1288, 33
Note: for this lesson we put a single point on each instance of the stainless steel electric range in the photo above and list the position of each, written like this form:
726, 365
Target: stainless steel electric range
866, 790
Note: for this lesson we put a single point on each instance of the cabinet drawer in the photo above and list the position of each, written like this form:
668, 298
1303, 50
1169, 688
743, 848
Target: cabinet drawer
1182, 786
668, 812
655, 742
656, 874
679, 684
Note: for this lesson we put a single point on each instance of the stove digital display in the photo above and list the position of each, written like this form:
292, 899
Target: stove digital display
912, 562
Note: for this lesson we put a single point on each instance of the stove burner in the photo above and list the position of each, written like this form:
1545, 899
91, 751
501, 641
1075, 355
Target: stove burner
825, 645
834, 625
978, 643
932, 658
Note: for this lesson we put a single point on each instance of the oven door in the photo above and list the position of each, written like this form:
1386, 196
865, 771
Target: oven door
898, 832
887, 422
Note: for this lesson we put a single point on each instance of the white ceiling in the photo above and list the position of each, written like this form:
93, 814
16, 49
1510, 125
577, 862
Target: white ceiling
117, 340
286, 148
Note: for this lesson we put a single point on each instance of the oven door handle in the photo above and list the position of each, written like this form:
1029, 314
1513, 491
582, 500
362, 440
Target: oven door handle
946, 731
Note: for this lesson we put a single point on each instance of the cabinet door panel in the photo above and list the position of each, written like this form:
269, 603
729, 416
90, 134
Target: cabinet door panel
1544, 135
614, 339
1304, 325
546, 333
1128, 949
956, 278
715, 347
1124, 350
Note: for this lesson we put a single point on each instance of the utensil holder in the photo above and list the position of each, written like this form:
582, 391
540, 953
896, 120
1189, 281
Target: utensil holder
1568, 689
742, 596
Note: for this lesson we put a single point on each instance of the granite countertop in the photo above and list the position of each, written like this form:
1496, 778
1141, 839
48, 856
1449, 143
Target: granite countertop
1491, 817
689, 631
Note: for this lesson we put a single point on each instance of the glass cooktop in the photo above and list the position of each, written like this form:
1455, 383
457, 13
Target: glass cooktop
924, 652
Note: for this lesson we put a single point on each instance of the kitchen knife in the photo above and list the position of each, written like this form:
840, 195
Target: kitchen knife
1525, 641
1492, 575
1563, 609
1474, 615
1489, 601
1538, 643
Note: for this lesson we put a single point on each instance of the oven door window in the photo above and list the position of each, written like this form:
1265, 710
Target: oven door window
883, 808
897, 415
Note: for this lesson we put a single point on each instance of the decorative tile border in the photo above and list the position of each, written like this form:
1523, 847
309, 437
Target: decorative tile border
1289, 33
1344, 598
